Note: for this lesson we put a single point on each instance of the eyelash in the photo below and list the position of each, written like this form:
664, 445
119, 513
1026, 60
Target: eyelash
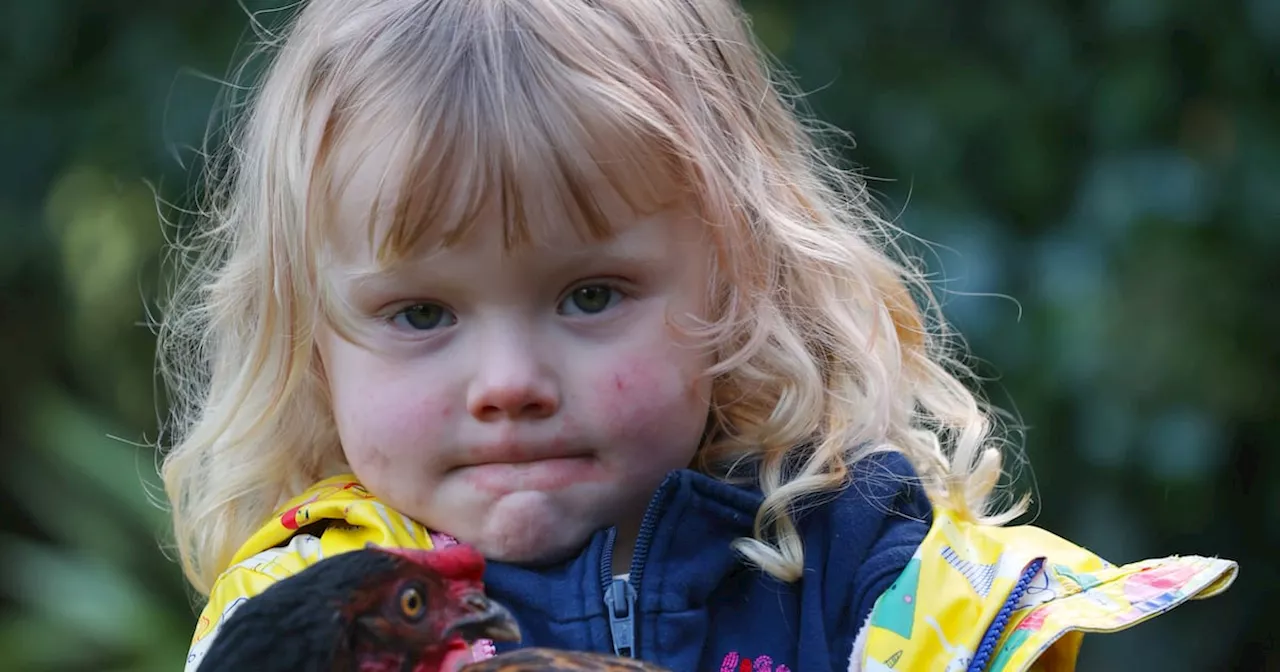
403, 312
617, 295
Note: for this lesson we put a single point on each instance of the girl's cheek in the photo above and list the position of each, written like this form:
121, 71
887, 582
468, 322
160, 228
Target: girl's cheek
643, 396
632, 382
395, 415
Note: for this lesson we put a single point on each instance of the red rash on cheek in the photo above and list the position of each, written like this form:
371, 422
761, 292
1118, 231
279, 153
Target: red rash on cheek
423, 405
626, 383
636, 391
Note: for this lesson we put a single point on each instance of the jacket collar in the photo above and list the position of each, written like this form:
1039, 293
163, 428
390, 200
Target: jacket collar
684, 552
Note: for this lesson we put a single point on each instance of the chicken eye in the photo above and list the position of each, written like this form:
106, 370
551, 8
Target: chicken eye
412, 604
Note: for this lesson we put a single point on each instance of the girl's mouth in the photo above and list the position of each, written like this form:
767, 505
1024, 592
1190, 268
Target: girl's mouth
543, 475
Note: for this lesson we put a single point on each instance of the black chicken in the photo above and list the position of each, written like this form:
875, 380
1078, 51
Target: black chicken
384, 610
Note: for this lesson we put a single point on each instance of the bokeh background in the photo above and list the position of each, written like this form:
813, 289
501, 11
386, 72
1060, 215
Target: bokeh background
1099, 179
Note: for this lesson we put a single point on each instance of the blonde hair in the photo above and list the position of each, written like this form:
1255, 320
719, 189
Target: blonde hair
830, 346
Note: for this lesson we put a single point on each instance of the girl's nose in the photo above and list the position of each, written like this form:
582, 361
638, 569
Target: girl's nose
512, 384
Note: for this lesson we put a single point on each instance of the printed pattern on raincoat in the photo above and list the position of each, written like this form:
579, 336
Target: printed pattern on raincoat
1009, 599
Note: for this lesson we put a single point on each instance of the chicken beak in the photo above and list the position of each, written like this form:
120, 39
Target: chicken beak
484, 619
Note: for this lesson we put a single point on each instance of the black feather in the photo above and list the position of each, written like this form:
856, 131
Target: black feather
296, 624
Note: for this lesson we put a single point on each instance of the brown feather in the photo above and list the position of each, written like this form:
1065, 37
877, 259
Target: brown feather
552, 660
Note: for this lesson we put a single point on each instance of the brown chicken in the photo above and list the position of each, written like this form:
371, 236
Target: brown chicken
530, 660
384, 610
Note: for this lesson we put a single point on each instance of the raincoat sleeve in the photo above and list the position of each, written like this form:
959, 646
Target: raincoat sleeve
333, 516
1012, 599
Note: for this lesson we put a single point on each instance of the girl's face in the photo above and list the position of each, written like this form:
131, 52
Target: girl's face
522, 399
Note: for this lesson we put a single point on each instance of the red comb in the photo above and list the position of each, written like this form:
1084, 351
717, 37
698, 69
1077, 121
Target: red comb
458, 562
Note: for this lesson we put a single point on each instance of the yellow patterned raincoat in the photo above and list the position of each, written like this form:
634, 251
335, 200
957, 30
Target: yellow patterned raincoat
1040, 592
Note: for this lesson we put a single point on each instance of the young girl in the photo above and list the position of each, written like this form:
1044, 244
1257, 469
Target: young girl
568, 281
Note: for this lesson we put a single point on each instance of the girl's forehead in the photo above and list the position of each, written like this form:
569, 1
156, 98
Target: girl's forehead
387, 202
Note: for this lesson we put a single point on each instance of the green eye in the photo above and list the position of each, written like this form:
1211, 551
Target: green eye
425, 317
590, 299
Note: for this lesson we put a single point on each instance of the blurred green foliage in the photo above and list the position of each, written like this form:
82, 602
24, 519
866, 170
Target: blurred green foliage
1099, 182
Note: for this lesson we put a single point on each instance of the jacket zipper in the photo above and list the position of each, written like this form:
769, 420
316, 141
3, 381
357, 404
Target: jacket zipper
987, 647
620, 594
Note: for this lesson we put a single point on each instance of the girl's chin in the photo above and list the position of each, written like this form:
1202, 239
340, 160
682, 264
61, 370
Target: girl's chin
530, 530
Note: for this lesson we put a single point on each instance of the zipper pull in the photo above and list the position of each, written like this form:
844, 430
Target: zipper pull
620, 599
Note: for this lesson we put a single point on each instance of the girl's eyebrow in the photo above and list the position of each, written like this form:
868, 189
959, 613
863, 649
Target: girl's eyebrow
589, 253
627, 246
610, 251
371, 278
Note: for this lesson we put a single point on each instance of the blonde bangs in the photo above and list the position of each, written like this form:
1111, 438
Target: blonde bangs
499, 120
